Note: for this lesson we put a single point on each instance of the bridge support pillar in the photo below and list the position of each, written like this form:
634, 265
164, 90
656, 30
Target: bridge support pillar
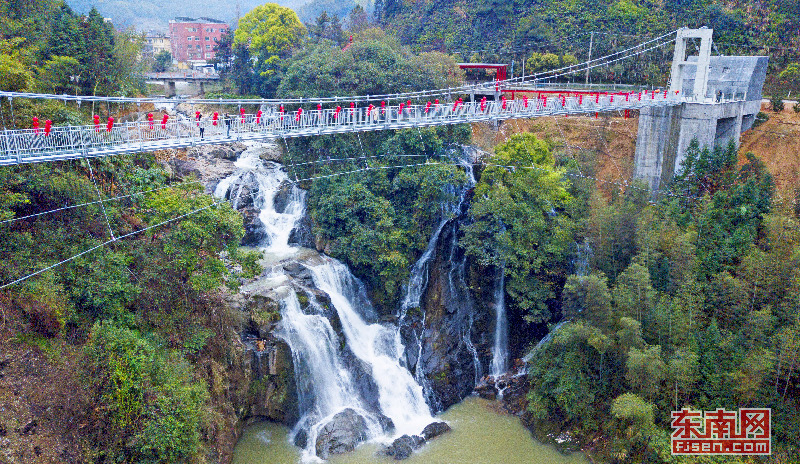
169, 89
665, 133
202, 87
722, 95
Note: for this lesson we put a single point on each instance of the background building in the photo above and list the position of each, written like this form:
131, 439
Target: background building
193, 39
155, 43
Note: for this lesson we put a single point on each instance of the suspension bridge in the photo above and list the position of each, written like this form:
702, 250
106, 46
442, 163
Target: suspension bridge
272, 119
709, 98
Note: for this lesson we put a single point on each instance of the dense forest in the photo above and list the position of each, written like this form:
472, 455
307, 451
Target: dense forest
689, 299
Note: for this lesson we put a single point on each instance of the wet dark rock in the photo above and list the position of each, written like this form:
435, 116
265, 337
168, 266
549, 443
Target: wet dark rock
402, 447
486, 389
302, 234
341, 434
254, 232
282, 197
387, 424
455, 326
435, 429
301, 439
293, 268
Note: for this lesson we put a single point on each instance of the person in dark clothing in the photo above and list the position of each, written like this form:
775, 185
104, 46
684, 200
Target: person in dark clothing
228, 124
201, 124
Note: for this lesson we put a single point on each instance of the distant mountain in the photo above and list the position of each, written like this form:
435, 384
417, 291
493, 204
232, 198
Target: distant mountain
155, 14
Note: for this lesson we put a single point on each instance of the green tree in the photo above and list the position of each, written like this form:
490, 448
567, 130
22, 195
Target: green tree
645, 370
270, 32
520, 218
163, 61
55, 75
99, 62
588, 297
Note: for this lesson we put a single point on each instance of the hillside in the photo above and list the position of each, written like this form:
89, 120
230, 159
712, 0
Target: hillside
489, 30
155, 14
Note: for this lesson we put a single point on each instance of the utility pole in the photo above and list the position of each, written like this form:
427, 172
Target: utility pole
238, 12
591, 42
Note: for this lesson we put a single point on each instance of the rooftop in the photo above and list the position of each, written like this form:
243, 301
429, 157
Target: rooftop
202, 19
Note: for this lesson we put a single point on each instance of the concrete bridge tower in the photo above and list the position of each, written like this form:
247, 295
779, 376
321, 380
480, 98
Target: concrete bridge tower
721, 97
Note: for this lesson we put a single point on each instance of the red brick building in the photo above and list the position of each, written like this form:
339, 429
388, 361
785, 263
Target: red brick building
193, 39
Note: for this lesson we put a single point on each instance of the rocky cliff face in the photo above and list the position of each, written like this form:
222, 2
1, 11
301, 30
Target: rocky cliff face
448, 339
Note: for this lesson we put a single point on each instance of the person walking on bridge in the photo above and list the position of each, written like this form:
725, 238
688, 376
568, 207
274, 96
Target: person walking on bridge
228, 124
201, 124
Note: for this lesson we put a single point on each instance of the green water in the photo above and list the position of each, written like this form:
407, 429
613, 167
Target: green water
480, 435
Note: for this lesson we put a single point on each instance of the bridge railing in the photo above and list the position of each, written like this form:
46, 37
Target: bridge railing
32, 145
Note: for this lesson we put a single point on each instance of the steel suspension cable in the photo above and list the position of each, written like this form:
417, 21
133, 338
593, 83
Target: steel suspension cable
89, 203
26, 277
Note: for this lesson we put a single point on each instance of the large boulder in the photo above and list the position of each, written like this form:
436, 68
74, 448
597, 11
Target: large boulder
341, 434
434, 429
402, 447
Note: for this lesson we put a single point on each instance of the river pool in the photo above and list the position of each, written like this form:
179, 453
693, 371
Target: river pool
480, 435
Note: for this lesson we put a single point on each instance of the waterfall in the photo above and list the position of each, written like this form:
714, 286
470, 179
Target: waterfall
400, 396
418, 279
324, 386
418, 282
500, 349
260, 182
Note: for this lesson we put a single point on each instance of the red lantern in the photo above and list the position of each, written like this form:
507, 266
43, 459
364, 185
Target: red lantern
400, 109
383, 107
35, 125
150, 119
299, 113
319, 107
525, 100
96, 123
336, 113
164, 121
427, 107
483, 104
369, 110
258, 117
281, 110
214, 118
241, 112
47, 126
110, 124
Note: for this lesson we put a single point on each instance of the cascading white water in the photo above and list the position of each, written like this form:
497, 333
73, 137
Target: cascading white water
264, 181
500, 348
400, 396
325, 386
314, 348
418, 279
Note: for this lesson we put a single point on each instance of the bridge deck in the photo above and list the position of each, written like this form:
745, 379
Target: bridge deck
68, 142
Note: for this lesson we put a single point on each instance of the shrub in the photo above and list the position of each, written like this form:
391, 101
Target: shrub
761, 118
777, 103
148, 404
